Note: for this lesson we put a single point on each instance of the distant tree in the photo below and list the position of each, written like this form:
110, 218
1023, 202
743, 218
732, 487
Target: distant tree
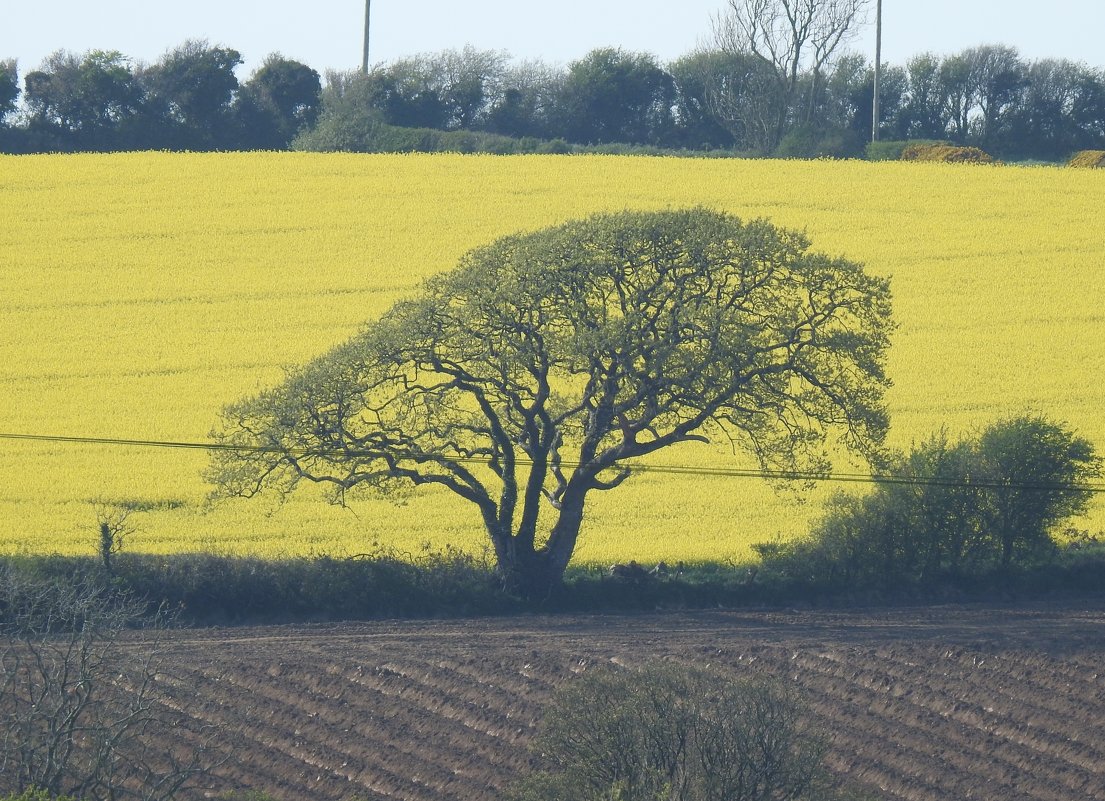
514, 115
524, 380
9, 87
849, 97
1088, 109
1061, 110
348, 120
82, 101
840, 125
958, 90
11, 138
190, 93
611, 95
526, 104
791, 38
676, 733
1039, 471
954, 508
472, 82
925, 114
408, 93
699, 79
998, 77
450, 90
280, 99
744, 97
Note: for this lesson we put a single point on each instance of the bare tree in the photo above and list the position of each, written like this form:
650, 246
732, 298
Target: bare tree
82, 711
113, 527
679, 733
743, 95
793, 38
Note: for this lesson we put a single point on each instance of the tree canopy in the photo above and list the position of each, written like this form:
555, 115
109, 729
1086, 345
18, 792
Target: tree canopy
532, 373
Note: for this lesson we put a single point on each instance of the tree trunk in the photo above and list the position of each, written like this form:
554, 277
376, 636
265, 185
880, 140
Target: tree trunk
530, 575
537, 575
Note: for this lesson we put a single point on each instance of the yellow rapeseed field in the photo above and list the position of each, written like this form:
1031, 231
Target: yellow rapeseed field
139, 293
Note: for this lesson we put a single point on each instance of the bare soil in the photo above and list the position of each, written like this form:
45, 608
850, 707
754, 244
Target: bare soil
1003, 702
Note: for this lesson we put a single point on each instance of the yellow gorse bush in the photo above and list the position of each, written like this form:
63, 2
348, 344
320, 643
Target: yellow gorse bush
1088, 158
139, 293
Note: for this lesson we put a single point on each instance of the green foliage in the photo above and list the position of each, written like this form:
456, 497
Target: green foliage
952, 509
381, 584
9, 88
696, 78
812, 142
352, 121
1037, 468
611, 95
82, 102
373, 136
669, 732
206, 589
190, 91
347, 121
279, 100
525, 378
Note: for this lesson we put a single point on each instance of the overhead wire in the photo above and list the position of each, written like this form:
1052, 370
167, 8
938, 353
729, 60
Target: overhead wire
715, 472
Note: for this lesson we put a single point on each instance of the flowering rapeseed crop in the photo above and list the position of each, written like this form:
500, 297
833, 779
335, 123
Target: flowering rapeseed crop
139, 293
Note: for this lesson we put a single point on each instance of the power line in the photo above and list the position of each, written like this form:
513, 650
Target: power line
713, 472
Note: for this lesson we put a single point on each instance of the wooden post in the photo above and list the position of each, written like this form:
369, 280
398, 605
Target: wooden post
878, 71
367, 17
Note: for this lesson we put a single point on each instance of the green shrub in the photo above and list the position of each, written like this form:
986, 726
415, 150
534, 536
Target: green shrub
950, 510
380, 584
676, 732
811, 142
952, 154
1088, 158
367, 134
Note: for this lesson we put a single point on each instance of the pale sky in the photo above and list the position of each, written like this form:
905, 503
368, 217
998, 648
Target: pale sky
327, 33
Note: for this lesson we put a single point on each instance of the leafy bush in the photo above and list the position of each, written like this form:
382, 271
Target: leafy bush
1088, 158
212, 588
812, 142
353, 130
677, 733
952, 509
368, 134
946, 153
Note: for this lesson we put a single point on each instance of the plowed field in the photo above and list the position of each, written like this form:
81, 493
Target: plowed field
922, 705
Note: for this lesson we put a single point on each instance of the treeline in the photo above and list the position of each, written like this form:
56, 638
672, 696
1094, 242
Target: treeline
190, 99
723, 99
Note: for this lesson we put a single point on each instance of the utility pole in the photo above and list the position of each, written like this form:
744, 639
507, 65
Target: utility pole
367, 17
878, 71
